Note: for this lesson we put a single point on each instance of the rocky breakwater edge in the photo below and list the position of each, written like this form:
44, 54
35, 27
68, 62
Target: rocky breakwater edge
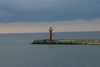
66, 42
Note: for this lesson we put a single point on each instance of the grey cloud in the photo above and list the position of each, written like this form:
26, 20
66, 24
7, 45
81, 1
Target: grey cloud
48, 10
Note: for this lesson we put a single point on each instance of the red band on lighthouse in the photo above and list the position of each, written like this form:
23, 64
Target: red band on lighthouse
50, 30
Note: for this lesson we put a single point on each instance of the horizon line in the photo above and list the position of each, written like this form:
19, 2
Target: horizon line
48, 32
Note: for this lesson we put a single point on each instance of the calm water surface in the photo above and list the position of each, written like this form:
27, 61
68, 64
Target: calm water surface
15, 51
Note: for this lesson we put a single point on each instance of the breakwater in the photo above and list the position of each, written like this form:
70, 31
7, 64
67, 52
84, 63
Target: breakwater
67, 42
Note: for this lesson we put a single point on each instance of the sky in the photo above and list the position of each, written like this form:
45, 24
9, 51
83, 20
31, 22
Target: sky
32, 16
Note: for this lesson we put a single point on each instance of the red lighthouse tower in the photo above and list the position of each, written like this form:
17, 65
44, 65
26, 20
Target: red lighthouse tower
50, 30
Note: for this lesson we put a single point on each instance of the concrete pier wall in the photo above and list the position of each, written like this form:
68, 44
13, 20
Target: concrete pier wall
68, 40
80, 41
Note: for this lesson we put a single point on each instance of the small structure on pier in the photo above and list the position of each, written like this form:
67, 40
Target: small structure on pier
50, 32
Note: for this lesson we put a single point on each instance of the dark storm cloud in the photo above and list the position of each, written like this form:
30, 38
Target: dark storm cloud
48, 10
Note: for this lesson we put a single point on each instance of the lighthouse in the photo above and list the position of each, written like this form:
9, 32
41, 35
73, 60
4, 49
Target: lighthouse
50, 32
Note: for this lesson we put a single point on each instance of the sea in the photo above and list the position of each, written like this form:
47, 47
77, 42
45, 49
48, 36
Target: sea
16, 50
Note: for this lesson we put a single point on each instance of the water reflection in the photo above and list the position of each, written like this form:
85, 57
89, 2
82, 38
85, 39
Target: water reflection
51, 46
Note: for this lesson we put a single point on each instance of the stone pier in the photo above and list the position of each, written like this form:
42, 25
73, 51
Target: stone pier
67, 41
